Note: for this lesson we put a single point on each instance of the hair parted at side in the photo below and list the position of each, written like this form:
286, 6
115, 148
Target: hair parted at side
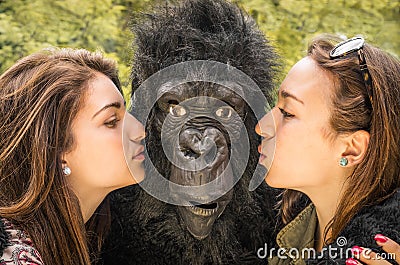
378, 176
39, 99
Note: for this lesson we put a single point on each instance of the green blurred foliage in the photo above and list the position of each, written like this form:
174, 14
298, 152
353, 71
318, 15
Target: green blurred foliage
27, 26
291, 24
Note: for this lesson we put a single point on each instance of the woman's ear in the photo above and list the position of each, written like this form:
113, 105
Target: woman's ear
64, 159
64, 164
356, 145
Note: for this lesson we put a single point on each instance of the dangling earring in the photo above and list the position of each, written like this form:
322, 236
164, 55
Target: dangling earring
343, 161
67, 171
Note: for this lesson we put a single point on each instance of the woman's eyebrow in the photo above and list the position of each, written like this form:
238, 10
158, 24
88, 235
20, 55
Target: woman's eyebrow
286, 94
111, 105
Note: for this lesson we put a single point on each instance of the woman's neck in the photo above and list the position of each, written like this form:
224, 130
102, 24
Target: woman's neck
325, 212
89, 200
326, 201
89, 205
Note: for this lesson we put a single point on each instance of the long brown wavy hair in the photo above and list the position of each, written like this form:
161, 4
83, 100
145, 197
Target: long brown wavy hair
377, 177
40, 97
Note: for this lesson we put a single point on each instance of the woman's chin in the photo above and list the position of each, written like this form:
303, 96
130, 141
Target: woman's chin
274, 182
138, 176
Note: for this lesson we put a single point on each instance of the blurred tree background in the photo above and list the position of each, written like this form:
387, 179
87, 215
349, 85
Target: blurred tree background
27, 26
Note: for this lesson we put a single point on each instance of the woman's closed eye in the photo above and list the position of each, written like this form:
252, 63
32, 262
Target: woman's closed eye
286, 114
112, 123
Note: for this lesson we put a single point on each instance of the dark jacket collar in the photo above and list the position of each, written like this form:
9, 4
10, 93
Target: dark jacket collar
383, 218
3, 237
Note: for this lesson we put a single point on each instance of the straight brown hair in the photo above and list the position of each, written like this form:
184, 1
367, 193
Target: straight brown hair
40, 97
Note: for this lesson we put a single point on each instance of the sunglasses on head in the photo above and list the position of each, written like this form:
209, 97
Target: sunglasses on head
349, 46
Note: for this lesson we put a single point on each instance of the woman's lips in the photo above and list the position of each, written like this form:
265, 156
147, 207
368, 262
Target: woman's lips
139, 157
262, 156
139, 154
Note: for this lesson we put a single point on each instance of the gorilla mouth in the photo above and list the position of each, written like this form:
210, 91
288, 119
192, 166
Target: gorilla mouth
203, 209
208, 154
200, 217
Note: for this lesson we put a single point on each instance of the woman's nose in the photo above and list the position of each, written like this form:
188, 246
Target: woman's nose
135, 129
266, 126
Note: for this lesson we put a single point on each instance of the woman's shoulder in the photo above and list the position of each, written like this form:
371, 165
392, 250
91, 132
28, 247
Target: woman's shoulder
16, 247
384, 214
382, 218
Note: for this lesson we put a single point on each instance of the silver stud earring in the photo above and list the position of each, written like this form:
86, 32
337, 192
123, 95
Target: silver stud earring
67, 171
343, 161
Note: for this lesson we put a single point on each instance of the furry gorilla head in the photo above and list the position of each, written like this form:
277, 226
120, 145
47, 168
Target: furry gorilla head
203, 231
200, 30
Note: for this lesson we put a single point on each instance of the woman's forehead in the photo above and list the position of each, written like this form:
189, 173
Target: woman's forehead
307, 82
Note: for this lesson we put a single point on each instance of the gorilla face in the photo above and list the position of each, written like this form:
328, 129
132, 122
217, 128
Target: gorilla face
199, 122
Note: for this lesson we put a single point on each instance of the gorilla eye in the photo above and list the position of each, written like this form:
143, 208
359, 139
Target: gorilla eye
177, 111
224, 112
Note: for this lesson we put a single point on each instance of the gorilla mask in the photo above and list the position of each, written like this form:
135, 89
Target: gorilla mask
201, 148
195, 129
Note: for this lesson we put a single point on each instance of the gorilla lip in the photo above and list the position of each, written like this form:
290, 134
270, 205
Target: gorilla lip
139, 154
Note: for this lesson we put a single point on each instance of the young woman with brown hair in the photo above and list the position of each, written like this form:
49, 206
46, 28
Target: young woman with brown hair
337, 133
61, 152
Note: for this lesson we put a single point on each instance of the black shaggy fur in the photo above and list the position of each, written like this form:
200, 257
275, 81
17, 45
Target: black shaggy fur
382, 218
148, 231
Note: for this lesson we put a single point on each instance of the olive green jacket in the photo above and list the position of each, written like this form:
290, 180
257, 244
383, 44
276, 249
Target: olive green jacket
296, 240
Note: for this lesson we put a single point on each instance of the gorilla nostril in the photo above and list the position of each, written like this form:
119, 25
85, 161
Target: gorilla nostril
189, 153
209, 155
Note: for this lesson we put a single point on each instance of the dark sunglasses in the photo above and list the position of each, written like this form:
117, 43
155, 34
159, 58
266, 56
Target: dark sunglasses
355, 45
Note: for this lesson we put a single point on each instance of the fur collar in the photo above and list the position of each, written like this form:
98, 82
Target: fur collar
3, 237
383, 218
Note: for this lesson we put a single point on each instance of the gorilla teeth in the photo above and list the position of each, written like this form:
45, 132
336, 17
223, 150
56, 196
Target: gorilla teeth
201, 211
